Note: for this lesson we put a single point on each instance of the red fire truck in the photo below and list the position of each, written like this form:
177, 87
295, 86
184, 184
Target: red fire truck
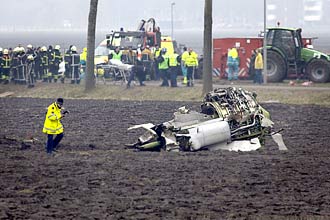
245, 46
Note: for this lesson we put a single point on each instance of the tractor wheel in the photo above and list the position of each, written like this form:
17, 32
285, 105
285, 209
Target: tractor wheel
276, 67
318, 70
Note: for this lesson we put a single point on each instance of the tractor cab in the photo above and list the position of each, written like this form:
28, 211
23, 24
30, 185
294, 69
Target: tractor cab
287, 56
287, 41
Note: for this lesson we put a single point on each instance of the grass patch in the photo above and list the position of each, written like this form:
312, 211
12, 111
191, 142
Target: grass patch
317, 95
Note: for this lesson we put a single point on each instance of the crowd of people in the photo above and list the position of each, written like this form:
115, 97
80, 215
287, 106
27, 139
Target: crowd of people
233, 63
27, 65
158, 64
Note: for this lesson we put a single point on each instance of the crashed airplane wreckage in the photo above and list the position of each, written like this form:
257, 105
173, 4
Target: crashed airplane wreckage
230, 119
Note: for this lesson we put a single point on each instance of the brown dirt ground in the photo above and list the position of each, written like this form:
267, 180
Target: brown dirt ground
93, 176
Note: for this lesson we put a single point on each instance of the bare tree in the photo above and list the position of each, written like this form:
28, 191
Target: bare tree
207, 51
90, 78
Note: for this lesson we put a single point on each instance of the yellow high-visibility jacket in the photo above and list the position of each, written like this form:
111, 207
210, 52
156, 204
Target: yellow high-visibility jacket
53, 123
258, 63
184, 57
173, 59
233, 53
83, 55
165, 63
191, 59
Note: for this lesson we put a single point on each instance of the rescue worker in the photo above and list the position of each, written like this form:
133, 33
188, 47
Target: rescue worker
258, 67
50, 64
124, 56
74, 65
232, 63
5, 63
139, 51
67, 58
44, 63
15, 64
83, 60
116, 54
147, 59
20, 47
183, 65
21, 67
174, 61
53, 125
56, 59
37, 64
191, 62
132, 57
30, 50
156, 53
139, 71
30, 76
163, 65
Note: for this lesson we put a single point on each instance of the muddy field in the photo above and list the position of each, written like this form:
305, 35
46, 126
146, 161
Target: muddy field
93, 176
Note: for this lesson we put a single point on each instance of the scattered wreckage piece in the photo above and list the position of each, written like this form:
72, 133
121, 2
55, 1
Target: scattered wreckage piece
230, 119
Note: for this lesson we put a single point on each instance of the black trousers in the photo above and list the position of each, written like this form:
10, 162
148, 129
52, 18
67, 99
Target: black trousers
52, 143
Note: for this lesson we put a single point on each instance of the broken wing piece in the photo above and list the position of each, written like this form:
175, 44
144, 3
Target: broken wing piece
146, 126
246, 145
279, 141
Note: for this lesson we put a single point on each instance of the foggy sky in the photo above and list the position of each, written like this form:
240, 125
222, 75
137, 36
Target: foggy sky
188, 14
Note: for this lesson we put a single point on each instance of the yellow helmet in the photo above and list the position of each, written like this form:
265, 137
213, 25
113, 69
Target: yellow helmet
5, 51
43, 49
30, 57
57, 47
29, 46
74, 48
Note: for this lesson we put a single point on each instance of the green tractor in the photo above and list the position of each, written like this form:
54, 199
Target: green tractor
287, 57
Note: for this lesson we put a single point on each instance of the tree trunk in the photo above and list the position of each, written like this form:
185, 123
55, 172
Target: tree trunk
90, 78
207, 51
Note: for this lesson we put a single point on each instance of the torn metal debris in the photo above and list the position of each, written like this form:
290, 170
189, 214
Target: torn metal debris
230, 119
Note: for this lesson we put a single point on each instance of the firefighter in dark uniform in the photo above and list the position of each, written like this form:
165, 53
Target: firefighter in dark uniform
44, 63
22, 66
37, 64
56, 59
30, 76
30, 50
14, 65
67, 58
5, 62
50, 63
74, 66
